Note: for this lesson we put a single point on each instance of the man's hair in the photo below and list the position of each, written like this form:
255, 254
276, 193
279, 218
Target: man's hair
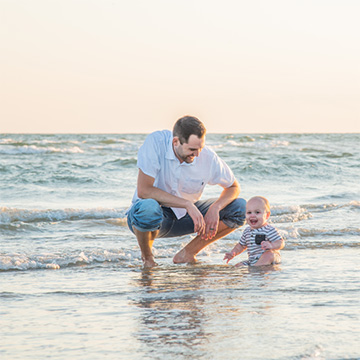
186, 126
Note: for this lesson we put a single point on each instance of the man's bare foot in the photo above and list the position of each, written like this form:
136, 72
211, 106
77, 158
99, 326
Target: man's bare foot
149, 263
182, 257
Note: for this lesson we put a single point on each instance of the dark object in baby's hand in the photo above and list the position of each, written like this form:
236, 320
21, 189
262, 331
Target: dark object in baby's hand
259, 239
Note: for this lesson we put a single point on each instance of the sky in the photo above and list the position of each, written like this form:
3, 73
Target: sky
121, 66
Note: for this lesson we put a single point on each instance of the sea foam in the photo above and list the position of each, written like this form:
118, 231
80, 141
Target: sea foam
33, 149
11, 215
27, 261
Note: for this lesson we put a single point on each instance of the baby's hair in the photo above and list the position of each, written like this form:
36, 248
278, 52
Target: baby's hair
264, 200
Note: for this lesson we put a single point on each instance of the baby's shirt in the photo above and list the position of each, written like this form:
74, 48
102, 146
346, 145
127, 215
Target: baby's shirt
248, 240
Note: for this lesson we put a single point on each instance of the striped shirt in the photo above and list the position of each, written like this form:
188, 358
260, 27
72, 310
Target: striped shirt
248, 240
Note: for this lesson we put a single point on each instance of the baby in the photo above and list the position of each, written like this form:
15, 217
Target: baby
262, 240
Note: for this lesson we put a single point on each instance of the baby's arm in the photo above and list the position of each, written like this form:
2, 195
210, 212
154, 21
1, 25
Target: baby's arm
274, 245
238, 249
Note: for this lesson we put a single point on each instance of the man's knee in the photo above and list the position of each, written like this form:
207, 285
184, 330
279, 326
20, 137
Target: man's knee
145, 215
239, 204
234, 214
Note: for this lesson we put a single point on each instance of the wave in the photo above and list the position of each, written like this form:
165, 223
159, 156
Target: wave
290, 214
122, 162
43, 147
33, 149
352, 231
352, 205
253, 144
302, 234
117, 147
19, 142
279, 214
9, 262
13, 215
131, 257
319, 244
279, 210
115, 141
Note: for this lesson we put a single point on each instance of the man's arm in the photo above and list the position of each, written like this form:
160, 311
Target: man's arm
147, 190
212, 216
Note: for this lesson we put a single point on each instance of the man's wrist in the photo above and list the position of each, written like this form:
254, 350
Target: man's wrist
215, 207
188, 204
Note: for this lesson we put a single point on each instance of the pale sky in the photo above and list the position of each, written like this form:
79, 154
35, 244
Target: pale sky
123, 66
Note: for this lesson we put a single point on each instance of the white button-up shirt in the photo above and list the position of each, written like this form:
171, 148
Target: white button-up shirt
156, 158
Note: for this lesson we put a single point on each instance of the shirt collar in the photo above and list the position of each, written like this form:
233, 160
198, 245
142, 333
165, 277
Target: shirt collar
170, 155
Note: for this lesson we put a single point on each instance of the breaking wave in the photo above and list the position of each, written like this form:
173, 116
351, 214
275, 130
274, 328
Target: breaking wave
56, 261
13, 215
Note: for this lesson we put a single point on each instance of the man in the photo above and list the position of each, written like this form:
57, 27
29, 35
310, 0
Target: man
173, 171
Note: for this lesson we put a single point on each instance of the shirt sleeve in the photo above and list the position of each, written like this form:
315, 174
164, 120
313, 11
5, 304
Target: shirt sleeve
221, 173
148, 156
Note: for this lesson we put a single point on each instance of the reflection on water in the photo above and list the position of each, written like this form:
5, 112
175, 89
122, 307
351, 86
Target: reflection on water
184, 309
172, 316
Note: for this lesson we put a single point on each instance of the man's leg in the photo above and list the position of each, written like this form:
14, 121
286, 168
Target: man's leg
144, 220
145, 241
231, 217
188, 253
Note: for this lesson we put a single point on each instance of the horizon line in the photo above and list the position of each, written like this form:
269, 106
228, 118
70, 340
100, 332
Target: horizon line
208, 133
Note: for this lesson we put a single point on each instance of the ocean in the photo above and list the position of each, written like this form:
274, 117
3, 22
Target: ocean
72, 282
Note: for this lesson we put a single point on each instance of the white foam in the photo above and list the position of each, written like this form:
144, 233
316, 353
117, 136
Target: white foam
10, 215
33, 149
286, 209
57, 261
303, 232
120, 146
6, 141
279, 143
252, 143
23, 262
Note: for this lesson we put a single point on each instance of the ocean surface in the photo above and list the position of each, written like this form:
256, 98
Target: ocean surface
72, 284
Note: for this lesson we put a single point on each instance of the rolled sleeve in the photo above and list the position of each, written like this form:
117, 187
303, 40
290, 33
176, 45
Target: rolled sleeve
221, 173
148, 159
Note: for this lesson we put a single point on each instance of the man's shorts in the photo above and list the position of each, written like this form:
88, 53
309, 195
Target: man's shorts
149, 215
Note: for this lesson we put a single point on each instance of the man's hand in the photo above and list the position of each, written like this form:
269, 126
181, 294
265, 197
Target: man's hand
212, 223
213, 214
197, 218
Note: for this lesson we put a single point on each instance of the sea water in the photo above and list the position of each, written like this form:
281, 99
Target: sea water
71, 278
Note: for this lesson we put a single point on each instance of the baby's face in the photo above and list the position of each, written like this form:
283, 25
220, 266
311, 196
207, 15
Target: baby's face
256, 214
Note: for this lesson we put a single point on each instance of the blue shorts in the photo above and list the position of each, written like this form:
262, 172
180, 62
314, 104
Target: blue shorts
149, 215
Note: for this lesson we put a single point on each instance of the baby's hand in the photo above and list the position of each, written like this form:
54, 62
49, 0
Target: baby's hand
266, 245
228, 256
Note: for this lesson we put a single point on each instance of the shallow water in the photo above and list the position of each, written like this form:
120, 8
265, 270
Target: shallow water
72, 285
297, 310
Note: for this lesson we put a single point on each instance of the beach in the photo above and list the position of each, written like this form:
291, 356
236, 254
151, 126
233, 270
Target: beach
72, 282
